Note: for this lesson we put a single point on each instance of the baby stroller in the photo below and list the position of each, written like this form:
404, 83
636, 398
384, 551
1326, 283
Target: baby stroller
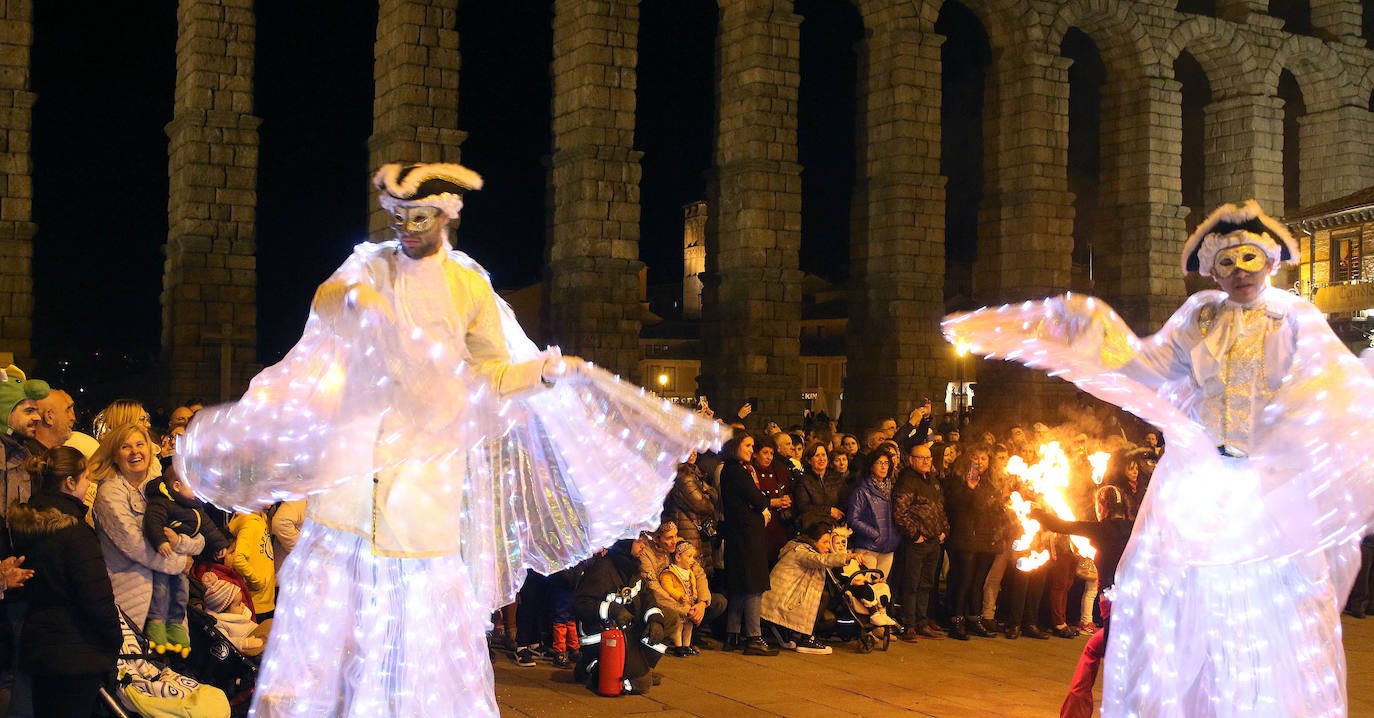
143, 684
851, 598
216, 661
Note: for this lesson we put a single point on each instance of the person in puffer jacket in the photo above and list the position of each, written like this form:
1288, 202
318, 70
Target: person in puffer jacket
870, 515
71, 633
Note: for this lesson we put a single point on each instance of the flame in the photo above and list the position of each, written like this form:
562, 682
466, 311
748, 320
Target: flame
1049, 478
1099, 464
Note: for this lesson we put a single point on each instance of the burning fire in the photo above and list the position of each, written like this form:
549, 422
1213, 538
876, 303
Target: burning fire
1049, 478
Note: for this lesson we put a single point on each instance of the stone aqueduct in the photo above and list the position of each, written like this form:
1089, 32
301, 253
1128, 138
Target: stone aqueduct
752, 294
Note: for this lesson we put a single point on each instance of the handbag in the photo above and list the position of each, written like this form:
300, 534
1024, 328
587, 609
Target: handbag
1086, 569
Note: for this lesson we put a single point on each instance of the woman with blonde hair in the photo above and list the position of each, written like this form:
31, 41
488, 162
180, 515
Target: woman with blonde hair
118, 413
123, 464
115, 415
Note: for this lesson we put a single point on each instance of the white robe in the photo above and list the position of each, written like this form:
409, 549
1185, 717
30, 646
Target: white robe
1229, 594
438, 468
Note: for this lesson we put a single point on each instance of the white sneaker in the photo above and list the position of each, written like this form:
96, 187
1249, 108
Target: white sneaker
881, 619
812, 646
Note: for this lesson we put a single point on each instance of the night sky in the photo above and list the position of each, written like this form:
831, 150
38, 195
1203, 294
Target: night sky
104, 75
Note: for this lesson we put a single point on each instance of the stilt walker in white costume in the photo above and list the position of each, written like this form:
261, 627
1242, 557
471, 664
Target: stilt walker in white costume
442, 455
1228, 598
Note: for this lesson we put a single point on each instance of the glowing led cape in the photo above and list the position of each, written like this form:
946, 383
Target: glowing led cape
1229, 594
537, 480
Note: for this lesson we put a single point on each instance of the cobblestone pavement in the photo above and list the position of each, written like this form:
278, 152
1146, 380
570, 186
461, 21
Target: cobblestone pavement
990, 677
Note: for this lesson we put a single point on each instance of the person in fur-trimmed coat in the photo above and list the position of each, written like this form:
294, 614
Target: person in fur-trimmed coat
71, 633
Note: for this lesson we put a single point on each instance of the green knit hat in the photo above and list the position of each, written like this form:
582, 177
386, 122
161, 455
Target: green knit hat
16, 389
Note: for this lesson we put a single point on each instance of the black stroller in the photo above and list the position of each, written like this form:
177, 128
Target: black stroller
852, 617
216, 661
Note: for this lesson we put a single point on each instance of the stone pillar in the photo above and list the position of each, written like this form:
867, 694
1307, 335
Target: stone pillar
210, 279
1340, 20
1142, 227
752, 308
16, 182
593, 251
1337, 157
1243, 144
415, 101
898, 253
1025, 241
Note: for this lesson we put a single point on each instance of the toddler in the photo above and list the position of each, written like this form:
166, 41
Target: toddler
173, 511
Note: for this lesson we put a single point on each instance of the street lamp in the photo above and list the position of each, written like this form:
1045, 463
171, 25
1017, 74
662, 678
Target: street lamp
662, 382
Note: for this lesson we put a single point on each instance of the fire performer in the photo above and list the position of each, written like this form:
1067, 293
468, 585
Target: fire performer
1228, 596
442, 454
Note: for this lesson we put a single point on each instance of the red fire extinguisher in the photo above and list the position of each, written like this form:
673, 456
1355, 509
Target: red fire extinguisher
611, 665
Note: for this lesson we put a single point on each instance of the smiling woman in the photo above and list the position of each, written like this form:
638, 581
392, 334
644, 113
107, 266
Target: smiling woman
121, 465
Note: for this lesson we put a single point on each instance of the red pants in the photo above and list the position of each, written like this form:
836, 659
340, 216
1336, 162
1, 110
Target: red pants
1079, 702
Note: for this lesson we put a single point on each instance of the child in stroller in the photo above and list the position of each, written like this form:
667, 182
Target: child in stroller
861, 600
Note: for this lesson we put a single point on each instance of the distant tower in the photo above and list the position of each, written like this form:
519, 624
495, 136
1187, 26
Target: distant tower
693, 257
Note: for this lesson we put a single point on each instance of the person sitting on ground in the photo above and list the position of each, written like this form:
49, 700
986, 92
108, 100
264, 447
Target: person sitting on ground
691, 505
173, 511
794, 603
657, 556
612, 587
683, 587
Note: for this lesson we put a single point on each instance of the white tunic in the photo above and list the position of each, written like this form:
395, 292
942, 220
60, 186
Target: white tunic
1229, 593
438, 469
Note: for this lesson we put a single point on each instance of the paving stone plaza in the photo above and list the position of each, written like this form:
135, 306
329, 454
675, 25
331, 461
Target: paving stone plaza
986, 677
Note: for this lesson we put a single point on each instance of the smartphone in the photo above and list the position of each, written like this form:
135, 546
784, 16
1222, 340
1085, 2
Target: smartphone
753, 402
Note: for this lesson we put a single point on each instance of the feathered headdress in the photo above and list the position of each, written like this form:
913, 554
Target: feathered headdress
436, 185
1230, 225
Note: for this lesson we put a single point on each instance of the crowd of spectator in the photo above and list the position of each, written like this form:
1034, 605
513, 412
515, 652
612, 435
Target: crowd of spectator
747, 557
101, 527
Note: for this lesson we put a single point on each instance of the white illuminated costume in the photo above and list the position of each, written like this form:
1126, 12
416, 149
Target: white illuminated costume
438, 467
1229, 595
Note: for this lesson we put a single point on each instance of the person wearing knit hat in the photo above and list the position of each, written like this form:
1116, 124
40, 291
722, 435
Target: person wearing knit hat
19, 420
443, 454
1240, 520
19, 404
220, 595
224, 602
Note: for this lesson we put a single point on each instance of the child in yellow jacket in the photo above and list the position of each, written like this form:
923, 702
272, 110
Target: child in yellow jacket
252, 558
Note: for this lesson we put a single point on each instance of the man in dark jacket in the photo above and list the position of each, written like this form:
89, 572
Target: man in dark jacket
918, 508
613, 592
19, 421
